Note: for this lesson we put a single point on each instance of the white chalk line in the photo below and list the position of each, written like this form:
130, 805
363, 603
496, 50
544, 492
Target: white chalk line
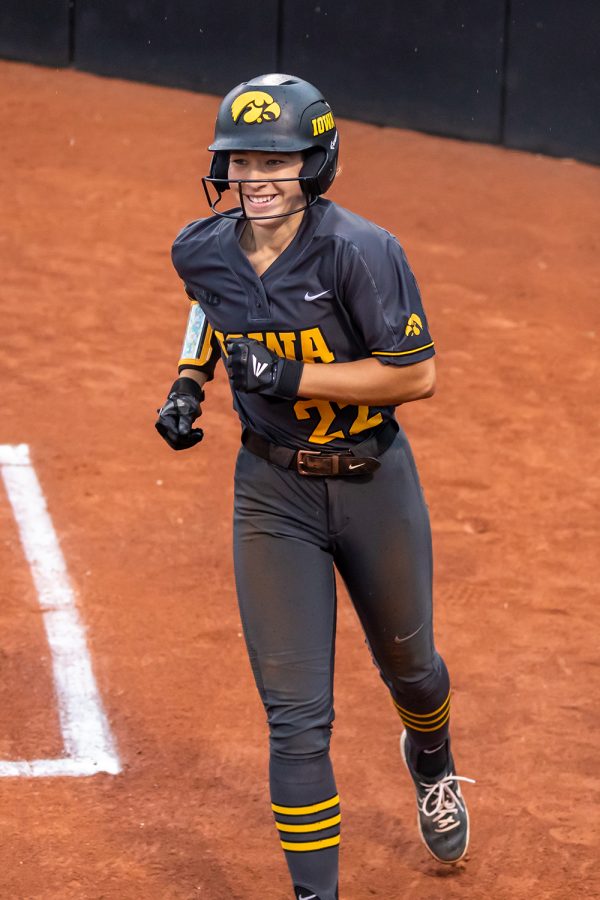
89, 745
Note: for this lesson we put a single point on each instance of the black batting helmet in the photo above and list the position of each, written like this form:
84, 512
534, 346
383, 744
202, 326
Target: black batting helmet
279, 113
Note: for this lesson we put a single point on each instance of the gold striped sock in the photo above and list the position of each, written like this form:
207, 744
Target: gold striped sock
312, 827
425, 722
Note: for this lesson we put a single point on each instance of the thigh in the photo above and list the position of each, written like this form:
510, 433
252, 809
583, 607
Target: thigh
286, 591
384, 554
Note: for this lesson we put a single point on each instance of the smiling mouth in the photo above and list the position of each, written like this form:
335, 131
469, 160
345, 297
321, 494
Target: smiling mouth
260, 199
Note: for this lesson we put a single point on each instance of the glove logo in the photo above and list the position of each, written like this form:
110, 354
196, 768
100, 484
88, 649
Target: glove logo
257, 367
413, 326
255, 107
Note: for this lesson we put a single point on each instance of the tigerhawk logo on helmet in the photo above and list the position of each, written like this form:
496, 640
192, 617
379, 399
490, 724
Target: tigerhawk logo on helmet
273, 113
256, 106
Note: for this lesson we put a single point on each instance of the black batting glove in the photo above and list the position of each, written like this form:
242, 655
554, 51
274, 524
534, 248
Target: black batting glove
176, 417
253, 367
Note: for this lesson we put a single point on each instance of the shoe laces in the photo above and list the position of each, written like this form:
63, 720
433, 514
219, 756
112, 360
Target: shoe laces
442, 802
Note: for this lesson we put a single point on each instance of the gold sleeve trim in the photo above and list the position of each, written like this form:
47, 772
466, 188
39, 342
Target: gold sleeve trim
191, 363
205, 350
401, 352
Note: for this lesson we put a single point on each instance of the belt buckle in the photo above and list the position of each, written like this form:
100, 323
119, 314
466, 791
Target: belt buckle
303, 464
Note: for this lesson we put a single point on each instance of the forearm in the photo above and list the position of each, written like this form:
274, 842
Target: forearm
368, 382
199, 377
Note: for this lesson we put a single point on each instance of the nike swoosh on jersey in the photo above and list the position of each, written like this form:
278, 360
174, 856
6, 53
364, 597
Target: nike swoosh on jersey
309, 297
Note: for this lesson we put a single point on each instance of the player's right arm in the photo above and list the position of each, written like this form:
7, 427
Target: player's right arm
198, 376
200, 352
199, 357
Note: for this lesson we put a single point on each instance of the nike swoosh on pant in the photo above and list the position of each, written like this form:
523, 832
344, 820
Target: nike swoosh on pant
400, 640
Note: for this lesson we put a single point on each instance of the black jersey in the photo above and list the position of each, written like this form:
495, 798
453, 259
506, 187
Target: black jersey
341, 291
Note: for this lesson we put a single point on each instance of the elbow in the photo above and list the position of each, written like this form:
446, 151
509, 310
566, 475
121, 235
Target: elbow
421, 391
427, 383
425, 387
413, 382
428, 389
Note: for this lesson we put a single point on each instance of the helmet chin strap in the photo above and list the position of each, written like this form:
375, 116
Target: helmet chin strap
242, 214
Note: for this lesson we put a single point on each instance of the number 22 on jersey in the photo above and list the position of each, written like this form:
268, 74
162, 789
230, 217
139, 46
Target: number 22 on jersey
326, 415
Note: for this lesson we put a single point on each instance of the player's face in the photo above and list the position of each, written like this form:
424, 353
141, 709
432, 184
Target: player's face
267, 196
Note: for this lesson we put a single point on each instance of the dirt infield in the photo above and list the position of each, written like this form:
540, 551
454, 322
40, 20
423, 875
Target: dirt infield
97, 176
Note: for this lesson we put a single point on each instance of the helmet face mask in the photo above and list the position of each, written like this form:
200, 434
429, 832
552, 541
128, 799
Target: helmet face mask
217, 183
274, 114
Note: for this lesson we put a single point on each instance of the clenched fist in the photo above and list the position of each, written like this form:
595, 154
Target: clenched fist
253, 367
176, 417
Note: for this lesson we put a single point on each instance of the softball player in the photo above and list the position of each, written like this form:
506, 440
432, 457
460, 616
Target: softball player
318, 318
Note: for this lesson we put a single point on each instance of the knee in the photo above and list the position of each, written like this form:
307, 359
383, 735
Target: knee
406, 659
427, 684
312, 743
295, 736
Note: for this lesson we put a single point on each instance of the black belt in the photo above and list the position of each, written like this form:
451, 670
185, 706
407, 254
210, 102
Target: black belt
360, 460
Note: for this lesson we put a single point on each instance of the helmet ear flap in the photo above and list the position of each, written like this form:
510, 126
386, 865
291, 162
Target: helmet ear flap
219, 169
320, 170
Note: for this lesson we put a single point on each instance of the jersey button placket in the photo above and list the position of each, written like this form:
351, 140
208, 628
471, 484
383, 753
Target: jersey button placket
259, 305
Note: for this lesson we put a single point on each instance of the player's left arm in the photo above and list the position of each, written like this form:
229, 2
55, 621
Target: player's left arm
381, 296
367, 382
253, 367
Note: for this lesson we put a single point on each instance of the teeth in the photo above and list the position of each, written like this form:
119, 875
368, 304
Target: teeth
260, 199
